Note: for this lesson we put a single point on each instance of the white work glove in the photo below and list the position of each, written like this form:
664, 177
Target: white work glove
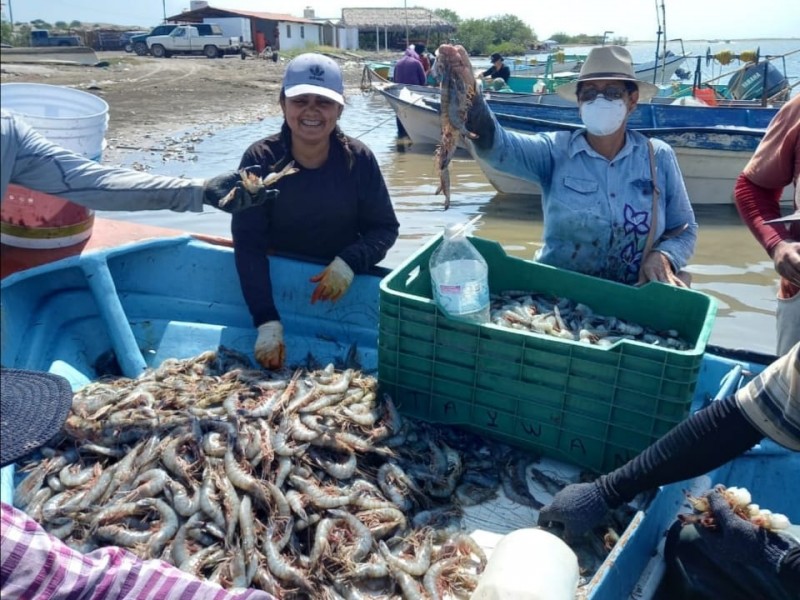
270, 350
332, 283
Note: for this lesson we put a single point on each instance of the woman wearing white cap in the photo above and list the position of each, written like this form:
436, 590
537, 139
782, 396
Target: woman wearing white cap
615, 203
774, 165
336, 208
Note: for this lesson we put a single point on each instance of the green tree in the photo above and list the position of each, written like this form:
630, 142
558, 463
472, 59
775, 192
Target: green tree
60, 24
448, 15
40, 24
75, 24
510, 28
6, 32
475, 35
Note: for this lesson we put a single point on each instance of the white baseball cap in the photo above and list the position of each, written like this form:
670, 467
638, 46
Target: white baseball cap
314, 73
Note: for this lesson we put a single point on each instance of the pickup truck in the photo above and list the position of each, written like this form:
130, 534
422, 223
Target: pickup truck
138, 43
42, 37
187, 39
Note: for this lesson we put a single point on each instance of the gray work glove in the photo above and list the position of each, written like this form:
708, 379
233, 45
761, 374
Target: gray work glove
481, 122
227, 192
738, 540
578, 507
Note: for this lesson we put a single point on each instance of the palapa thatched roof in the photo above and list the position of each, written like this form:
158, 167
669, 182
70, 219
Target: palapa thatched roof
395, 19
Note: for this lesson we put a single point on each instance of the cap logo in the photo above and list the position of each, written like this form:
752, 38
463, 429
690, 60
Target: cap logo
317, 73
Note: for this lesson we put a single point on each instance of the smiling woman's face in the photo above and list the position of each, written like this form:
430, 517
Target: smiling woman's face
311, 118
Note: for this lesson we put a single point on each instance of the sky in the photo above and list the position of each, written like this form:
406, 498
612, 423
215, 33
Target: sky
633, 19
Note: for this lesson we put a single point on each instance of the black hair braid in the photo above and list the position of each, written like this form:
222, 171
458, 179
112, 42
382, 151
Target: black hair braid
286, 140
342, 139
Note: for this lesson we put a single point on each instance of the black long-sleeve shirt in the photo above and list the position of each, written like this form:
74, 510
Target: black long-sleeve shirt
320, 213
707, 439
503, 72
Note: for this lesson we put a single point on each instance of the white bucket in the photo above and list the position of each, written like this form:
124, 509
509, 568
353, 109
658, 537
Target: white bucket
72, 119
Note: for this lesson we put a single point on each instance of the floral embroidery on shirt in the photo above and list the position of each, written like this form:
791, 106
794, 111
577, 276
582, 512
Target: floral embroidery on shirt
636, 222
637, 225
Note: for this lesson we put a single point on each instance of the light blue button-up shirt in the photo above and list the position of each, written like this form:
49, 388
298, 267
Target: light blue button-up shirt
597, 212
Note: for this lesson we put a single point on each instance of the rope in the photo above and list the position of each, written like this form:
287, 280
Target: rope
748, 56
724, 57
386, 120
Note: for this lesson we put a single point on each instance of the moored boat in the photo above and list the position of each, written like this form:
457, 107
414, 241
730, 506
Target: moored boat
170, 295
713, 144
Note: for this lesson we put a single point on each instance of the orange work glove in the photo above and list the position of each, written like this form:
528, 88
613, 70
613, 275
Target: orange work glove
270, 350
332, 283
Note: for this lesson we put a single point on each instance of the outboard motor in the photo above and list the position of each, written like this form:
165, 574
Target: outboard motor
750, 82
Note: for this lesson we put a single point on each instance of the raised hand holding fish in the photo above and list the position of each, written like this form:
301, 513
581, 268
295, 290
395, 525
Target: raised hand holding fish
459, 100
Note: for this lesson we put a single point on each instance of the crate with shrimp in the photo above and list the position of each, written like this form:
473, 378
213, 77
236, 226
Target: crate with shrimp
592, 404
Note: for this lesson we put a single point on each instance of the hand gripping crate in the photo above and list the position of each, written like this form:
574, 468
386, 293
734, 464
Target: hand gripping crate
592, 406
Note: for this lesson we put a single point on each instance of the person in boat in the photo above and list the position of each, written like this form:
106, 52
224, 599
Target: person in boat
498, 70
37, 565
737, 560
774, 165
615, 204
28, 159
408, 70
335, 208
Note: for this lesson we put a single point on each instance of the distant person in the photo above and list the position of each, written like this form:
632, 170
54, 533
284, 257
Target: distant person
498, 70
775, 165
28, 159
408, 70
336, 208
423, 57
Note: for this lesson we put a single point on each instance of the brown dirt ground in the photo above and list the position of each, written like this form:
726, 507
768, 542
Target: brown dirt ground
152, 99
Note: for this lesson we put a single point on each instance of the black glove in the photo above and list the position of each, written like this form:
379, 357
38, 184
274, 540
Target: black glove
738, 540
227, 192
481, 122
579, 507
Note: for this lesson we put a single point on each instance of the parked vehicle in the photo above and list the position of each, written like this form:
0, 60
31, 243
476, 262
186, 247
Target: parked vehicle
139, 42
188, 39
237, 27
42, 37
126, 39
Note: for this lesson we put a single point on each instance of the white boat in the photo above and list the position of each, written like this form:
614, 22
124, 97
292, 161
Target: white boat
709, 172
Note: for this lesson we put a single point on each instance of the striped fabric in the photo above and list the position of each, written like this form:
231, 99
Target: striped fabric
771, 402
37, 566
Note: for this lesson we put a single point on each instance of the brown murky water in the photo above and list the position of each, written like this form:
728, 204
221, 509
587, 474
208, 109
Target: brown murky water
728, 263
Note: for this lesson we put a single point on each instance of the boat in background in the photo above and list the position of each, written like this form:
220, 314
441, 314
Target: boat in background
712, 145
164, 295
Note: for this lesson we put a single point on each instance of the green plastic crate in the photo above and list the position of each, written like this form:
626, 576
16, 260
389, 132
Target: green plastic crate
591, 406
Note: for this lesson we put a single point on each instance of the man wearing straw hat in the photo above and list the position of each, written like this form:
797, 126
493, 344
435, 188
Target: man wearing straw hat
30, 160
775, 165
35, 565
614, 202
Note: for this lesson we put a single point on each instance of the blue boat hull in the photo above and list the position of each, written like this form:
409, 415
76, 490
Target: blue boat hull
178, 297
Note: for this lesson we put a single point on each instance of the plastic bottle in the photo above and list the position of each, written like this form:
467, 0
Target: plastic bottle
460, 277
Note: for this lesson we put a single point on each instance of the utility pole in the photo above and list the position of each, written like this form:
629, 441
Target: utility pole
164, 7
405, 6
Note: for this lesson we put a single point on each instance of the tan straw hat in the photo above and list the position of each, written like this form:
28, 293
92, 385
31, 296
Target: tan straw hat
607, 62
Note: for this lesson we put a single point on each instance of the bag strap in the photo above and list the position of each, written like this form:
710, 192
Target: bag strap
654, 211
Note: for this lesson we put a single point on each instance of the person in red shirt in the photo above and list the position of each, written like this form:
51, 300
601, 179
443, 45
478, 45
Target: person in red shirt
774, 165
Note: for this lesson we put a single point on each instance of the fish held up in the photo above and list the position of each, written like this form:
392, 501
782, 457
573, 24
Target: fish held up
458, 89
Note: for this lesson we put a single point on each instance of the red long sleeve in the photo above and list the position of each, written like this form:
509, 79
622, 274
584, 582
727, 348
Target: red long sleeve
757, 204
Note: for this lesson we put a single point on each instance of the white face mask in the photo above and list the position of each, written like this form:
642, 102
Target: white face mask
603, 117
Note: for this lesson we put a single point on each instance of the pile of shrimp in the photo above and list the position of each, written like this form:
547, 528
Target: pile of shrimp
303, 483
